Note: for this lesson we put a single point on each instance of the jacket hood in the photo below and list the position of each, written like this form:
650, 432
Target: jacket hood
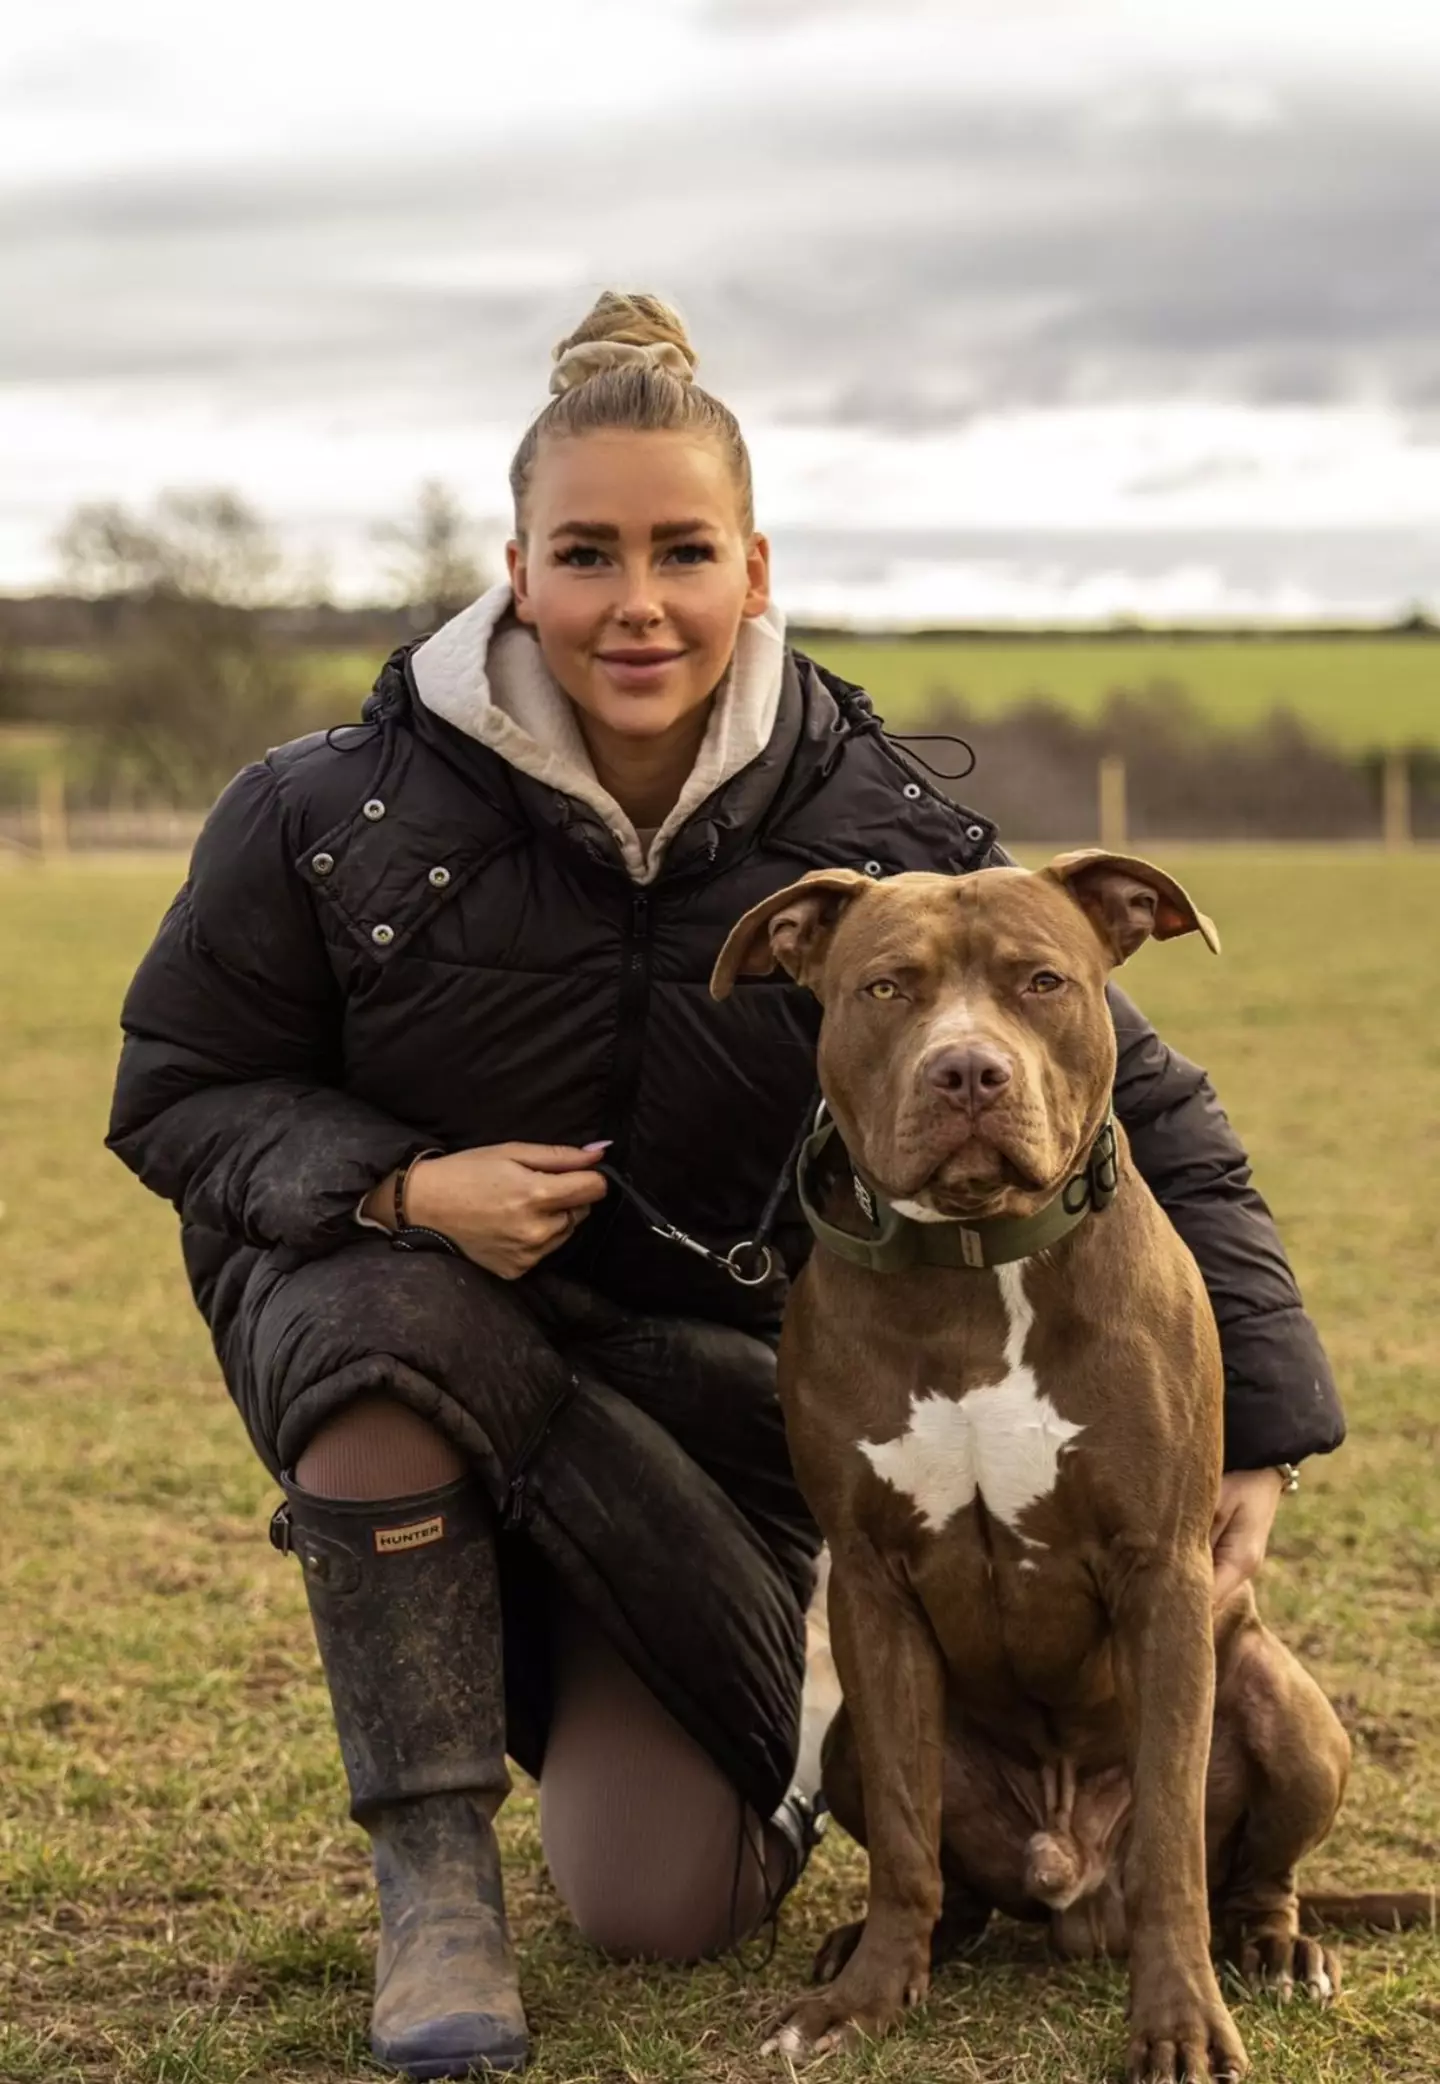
483, 673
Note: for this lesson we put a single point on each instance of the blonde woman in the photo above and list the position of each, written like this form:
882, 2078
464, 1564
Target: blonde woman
428, 976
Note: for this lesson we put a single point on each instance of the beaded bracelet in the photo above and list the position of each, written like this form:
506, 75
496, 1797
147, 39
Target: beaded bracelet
402, 1221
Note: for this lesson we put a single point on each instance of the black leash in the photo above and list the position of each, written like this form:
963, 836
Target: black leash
752, 1261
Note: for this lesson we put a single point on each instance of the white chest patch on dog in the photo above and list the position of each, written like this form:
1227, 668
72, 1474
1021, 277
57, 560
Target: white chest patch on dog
1002, 1442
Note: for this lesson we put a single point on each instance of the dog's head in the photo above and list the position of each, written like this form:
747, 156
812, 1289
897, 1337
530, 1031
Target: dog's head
967, 1051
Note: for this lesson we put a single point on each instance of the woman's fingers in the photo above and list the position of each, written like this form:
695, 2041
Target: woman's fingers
570, 1190
558, 1230
1230, 1574
555, 1157
1240, 1532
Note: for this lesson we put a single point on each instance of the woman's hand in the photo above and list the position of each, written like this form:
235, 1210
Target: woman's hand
506, 1205
1240, 1530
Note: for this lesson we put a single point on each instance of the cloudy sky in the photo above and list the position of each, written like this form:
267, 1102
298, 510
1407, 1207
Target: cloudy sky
1057, 308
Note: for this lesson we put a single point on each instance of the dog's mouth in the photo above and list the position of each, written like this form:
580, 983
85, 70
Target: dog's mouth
977, 1178
983, 1181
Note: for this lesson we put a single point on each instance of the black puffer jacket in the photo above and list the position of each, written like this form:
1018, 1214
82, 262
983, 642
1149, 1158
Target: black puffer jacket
391, 939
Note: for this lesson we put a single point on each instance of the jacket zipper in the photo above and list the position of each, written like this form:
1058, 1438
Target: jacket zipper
633, 1005
517, 1500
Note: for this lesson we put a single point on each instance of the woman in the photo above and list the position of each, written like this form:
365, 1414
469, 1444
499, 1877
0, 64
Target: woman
430, 973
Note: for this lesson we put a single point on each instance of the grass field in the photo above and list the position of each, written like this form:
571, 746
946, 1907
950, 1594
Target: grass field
181, 1899
1354, 692
1359, 693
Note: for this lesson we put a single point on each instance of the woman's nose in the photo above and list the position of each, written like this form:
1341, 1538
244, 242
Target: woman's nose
638, 607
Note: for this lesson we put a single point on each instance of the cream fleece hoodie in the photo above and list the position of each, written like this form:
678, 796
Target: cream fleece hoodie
484, 673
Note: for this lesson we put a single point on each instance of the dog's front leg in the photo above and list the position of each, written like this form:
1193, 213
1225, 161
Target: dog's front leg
893, 1676
1165, 1676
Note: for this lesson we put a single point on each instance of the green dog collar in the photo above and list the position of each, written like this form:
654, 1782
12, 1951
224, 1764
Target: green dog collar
896, 1243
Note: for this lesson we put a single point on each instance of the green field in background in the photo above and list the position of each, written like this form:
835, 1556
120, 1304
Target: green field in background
1360, 693
181, 1898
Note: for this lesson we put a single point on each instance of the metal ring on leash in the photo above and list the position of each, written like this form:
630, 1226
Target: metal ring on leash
767, 1263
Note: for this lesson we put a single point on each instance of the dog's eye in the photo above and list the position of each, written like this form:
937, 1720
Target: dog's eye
883, 988
1045, 981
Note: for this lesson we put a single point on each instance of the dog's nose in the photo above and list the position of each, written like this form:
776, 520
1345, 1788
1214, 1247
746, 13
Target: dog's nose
972, 1077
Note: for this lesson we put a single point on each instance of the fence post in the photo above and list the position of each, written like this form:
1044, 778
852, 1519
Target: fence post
53, 833
1113, 824
1397, 827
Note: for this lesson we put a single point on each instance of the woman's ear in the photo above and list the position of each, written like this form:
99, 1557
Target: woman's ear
757, 577
516, 567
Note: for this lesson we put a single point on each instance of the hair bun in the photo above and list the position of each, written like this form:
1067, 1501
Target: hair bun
639, 346
622, 329
593, 357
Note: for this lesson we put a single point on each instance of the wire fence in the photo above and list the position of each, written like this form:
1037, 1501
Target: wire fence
1391, 800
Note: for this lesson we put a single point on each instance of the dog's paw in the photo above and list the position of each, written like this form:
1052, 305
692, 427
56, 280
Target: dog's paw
861, 2004
1188, 2035
1277, 1965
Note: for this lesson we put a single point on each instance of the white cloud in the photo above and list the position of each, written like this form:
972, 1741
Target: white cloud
1071, 264
923, 594
1144, 468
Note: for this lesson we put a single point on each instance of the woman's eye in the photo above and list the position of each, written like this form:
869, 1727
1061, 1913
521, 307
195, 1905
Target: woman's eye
882, 988
583, 556
694, 553
1045, 981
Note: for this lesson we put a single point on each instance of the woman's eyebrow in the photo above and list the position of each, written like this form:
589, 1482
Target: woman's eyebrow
607, 532
664, 531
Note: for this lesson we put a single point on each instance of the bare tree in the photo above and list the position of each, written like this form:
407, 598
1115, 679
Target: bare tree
190, 683
434, 565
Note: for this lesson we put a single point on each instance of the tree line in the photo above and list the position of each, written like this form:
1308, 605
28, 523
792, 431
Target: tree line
183, 647
188, 666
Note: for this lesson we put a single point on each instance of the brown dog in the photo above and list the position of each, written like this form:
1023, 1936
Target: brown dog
1016, 1471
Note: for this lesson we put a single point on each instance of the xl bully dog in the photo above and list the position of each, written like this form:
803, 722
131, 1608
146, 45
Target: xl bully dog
1002, 1385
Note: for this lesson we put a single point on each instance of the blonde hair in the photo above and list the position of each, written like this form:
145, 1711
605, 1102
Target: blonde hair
630, 364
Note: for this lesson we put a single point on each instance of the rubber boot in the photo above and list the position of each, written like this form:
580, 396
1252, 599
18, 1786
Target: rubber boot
405, 1599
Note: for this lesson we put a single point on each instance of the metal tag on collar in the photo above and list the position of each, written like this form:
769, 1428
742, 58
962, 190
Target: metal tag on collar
972, 1246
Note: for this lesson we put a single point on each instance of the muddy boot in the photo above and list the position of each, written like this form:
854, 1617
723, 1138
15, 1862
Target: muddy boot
405, 1598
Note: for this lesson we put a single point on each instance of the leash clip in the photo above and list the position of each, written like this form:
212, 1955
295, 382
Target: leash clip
755, 1251
672, 1235
728, 1262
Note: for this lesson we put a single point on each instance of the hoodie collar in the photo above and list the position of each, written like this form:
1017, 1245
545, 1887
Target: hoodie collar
484, 674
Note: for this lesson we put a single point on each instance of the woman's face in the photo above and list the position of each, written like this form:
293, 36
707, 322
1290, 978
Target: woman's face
635, 574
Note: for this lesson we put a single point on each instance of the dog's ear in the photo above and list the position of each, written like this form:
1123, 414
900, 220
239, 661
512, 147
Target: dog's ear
1128, 901
792, 928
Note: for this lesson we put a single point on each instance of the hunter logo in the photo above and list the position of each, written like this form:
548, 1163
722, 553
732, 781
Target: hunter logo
418, 1535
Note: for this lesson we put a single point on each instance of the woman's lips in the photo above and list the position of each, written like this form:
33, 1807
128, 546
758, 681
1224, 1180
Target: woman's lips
637, 669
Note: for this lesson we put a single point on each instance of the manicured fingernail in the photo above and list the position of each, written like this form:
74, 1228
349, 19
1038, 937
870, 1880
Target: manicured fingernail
597, 1147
